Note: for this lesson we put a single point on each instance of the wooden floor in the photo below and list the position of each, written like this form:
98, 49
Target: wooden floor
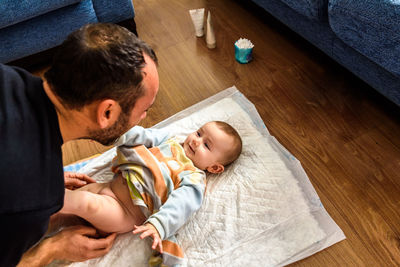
346, 135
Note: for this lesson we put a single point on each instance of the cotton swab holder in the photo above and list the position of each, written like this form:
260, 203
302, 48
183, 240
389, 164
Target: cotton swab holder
243, 50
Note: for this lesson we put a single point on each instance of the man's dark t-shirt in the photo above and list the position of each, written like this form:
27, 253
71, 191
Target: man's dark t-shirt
31, 174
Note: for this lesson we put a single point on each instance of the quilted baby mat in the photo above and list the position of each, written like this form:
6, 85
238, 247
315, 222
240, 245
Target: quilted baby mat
262, 211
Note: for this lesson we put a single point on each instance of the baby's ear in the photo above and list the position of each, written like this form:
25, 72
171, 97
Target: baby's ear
216, 168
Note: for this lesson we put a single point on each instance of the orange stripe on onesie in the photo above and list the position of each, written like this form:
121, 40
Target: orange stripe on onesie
172, 248
174, 172
159, 183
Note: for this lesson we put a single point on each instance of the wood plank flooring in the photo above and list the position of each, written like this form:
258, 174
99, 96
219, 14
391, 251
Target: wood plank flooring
345, 134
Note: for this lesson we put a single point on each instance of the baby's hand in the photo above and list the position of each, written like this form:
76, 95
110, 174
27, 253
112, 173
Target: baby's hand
149, 230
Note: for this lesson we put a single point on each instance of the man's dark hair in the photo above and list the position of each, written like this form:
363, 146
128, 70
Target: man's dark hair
99, 61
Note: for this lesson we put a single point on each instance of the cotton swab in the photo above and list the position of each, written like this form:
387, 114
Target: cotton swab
244, 43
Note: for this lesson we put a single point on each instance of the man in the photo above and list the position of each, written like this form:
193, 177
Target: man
102, 82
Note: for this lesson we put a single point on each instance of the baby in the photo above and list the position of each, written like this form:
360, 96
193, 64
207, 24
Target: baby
158, 184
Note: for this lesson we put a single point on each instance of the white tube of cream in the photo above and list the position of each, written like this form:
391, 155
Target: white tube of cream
210, 36
197, 16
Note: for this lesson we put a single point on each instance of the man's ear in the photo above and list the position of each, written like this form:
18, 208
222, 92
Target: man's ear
108, 111
216, 168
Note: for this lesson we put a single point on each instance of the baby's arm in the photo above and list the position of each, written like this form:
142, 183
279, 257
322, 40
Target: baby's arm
134, 137
148, 229
180, 205
143, 136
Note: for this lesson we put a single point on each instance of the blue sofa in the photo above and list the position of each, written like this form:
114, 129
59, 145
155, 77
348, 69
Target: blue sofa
29, 27
362, 35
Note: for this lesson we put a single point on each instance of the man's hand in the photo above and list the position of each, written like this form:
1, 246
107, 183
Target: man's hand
79, 243
76, 243
74, 180
149, 230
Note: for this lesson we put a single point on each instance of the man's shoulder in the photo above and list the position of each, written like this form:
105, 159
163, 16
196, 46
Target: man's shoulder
20, 91
15, 76
30, 144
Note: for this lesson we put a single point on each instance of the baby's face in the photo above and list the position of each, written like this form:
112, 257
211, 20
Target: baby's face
207, 145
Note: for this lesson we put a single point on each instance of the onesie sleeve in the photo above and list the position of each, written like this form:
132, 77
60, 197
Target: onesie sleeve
180, 205
143, 136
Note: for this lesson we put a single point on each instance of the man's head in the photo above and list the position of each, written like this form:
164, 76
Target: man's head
213, 146
107, 66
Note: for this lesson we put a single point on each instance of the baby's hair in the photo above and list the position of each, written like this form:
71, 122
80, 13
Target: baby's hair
237, 142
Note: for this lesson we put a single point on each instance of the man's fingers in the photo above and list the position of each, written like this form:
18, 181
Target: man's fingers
79, 176
85, 230
95, 254
102, 243
98, 252
76, 182
79, 243
86, 178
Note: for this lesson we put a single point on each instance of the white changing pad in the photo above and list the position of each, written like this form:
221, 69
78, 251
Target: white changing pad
262, 211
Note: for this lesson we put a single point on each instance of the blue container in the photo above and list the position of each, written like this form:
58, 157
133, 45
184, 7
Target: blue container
243, 56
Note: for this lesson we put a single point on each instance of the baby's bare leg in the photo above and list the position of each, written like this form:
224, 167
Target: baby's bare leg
98, 207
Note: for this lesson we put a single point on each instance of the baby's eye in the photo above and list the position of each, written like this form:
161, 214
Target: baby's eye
198, 134
207, 146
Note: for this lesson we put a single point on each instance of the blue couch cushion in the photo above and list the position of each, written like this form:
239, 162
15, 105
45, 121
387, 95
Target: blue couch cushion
14, 11
312, 9
371, 27
45, 31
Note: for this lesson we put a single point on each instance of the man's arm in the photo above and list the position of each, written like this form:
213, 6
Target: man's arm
76, 243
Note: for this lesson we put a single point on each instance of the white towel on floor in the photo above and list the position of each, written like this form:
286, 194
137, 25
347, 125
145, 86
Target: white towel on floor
262, 211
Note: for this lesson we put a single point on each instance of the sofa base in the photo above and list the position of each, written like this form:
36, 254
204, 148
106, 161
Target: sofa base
320, 35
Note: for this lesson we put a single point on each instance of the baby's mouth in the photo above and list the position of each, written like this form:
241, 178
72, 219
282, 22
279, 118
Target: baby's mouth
191, 149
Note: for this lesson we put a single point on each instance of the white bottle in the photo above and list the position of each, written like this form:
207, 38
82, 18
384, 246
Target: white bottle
210, 36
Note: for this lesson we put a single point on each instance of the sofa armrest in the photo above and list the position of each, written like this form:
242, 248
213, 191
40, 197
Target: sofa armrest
371, 27
13, 12
113, 11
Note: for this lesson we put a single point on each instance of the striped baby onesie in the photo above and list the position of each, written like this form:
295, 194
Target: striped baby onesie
163, 182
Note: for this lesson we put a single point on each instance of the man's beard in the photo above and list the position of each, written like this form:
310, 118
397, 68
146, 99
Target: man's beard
109, 136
